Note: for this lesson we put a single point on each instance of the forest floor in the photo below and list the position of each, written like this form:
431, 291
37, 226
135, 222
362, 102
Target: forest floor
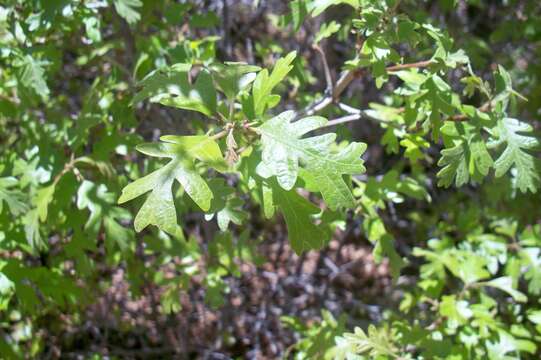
342, 278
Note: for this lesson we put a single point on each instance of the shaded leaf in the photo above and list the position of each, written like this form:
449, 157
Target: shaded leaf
172, 88
297, 211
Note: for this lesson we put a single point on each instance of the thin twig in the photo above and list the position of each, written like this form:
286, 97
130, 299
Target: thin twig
420, 64
10, 99
227, 128
463, 117
123, 69
395, 6
343, 119
328, 77
343, 82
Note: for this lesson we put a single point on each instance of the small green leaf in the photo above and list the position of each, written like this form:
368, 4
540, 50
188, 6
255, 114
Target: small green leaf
43, 198
319, 6
31, 230
298, 13
99, 201
327, 30
455, 165
264, 83
226, 207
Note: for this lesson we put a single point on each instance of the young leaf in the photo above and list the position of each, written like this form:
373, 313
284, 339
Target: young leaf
515, 134
327, 30
298, 13
44, 196
283, 149
226, 208
31, 230
159, 207
264, 83
468, 158
319, 6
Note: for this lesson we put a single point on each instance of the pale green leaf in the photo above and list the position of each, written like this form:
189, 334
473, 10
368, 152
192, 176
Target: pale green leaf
455, 166
232, 78
14, 198
225, 206
44, 196
128, 10
327, 30
284, 150
318, 6
32, 76
514, 134
505, 284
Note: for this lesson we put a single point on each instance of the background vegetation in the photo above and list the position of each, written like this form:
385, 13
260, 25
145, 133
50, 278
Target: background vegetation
170, 185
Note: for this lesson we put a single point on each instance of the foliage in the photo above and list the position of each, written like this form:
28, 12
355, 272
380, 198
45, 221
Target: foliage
85, 83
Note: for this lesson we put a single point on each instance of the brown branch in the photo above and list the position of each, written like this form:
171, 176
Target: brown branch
463, 117
328, 77
416, 65
10, 99
228, 127
344, 82
345, 79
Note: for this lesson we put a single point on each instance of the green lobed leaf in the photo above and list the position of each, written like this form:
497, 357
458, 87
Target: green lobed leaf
264, 83
32, 76
318, 6
283, 150
128, 10
515, 135
327, 30
298, 212
224, 205
159, 207
14, 198
505, 284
